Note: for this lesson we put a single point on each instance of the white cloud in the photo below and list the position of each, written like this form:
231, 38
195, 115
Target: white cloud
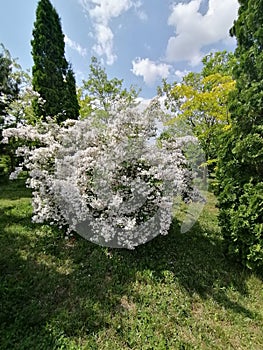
75, 46
143, 103
104, 45
193, 30
150, 70
103, 10
101, 13
140, 13
181, 73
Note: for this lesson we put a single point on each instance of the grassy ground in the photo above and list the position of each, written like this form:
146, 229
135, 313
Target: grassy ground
175, 292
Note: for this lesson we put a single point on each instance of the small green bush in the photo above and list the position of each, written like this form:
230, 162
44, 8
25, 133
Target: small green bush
242, 224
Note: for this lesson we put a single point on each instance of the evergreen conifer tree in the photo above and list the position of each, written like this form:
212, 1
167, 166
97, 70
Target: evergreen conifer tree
240, 171
9, 91
53, 77
9, 87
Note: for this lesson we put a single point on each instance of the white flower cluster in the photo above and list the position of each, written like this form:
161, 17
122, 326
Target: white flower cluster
105, 180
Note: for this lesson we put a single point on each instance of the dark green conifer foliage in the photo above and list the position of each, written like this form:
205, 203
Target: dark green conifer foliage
53, 77
240, 171
71, 104
9, 87
9, 90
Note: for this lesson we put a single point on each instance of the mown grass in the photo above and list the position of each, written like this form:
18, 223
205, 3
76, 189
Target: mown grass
175, 292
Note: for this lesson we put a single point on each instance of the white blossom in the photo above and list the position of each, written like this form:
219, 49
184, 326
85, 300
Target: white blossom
104, 179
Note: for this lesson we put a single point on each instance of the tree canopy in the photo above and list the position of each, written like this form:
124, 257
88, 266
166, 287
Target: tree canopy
101, 93
9, 84
53, 77
201, 100
9, 91
241, 153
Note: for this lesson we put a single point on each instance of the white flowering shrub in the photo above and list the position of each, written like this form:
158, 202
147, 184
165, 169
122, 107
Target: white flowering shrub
18, 112
108, 181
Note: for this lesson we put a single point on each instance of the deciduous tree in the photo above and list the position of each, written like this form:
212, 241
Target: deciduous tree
201, 100
102, 93
204, 107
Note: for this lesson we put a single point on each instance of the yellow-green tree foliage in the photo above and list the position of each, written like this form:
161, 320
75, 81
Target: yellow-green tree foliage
201, 100
204, 107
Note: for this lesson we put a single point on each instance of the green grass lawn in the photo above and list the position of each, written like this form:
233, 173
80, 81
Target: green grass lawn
175, 292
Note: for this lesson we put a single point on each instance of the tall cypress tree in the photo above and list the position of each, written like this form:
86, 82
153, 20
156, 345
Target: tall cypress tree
53, 77
240, 172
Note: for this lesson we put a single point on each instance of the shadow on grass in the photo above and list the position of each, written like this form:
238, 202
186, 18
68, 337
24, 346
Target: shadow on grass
197, 263
13, 190
51, 288
46, 294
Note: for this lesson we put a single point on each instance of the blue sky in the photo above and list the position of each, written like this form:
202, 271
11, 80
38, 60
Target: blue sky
140, 41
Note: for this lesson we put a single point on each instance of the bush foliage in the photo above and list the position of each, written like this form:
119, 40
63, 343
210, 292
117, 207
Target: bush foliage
241, 156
